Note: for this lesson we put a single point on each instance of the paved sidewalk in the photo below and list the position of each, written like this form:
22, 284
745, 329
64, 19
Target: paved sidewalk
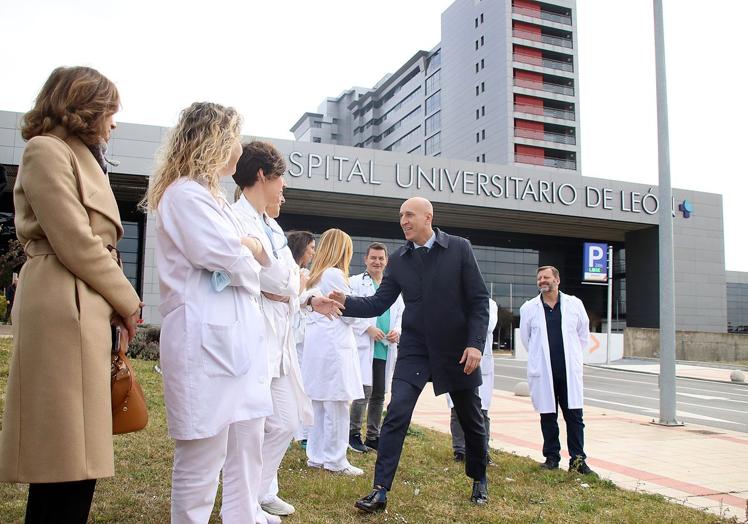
719, 373
692, 465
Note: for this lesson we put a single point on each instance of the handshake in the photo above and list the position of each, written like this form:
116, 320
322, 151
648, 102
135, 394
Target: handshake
331, 306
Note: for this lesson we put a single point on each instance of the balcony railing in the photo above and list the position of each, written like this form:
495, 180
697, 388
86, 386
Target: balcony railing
544, 62
548, 162
543, 15
546, 39
548, 136
562, 114
544, 86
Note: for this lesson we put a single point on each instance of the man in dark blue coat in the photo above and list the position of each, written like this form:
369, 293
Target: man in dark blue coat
444, 325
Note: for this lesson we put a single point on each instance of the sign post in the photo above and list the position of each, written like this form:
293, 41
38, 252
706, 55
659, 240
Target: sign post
598, 270
610, 302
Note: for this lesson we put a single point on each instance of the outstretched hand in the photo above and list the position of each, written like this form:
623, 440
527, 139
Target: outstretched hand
337, 296
327, 306
471, 358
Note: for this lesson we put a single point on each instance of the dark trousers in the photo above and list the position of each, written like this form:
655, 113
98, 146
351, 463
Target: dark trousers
458, 436
396, 422
372, 403
60, 502
574, 426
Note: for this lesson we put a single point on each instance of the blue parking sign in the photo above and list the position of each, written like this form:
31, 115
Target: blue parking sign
595, 262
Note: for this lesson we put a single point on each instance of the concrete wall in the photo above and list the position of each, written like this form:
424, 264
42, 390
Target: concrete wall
689, 345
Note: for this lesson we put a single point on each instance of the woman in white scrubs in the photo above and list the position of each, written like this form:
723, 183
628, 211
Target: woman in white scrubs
330, 367
215, 374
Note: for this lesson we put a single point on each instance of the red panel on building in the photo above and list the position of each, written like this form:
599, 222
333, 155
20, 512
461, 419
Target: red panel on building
528, 31
529, 154
526, 5
528, 104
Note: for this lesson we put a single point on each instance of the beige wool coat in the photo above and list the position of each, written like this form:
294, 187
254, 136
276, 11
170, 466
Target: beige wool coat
57, 424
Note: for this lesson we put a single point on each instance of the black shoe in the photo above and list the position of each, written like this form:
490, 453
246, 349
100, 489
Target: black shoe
355, 444
480, 492
372, 443
549, 464
580, 466
459, 456
374, 501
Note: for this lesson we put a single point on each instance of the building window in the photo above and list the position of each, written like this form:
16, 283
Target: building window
477, 159
482, 63
476, 67
316, 123
433, 145
483, 134
481, 18
477, 137
433, 123
482, 41
483, 158
476, 45
483, 110
433, 103
476, 22
434, 62
477, 114
477, 90
433, 83
317, 140
482, 87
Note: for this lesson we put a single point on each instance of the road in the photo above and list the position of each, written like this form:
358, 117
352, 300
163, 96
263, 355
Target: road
713, 404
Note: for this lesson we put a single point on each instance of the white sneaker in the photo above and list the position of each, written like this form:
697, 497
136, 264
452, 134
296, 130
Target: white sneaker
351, 471
315, 465
277, 506
270, 518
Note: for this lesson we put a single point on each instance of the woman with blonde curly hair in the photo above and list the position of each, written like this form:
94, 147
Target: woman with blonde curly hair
330, 367
57, 426
213, 357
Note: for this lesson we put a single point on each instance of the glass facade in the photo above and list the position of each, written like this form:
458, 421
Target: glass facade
508, 262
737, 307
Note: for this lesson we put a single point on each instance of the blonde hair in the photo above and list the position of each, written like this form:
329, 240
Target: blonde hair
335, 249
197, 148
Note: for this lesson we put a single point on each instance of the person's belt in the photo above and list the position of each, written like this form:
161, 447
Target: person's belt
41, 246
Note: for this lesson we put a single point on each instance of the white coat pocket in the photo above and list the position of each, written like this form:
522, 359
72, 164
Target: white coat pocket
223, 354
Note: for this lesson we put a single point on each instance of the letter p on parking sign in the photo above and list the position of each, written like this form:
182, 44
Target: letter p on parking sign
595, 262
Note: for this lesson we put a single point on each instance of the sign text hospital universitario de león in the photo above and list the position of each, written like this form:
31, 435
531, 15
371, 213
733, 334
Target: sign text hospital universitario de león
439, 179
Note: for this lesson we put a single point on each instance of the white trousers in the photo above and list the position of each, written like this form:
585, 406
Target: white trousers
197, 465
328, 437
280, 428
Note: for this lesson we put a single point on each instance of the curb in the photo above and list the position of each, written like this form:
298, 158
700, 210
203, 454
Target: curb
602, 366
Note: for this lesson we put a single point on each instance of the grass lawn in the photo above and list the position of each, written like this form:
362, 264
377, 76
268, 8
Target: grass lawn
429, 488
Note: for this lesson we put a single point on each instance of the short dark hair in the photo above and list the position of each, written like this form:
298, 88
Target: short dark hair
377, 246
553, 270
255, 156
298, 242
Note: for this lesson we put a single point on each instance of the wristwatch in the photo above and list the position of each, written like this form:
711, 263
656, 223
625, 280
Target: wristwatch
308, 304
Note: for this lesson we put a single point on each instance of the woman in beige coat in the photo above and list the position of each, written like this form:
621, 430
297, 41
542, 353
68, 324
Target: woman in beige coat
57, 425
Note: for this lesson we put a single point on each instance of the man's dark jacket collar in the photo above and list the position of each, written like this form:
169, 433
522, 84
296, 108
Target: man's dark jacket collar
442, 239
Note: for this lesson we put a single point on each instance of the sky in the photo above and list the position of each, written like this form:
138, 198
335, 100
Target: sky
275, 60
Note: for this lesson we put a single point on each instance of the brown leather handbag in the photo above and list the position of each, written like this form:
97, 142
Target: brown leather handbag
129, 412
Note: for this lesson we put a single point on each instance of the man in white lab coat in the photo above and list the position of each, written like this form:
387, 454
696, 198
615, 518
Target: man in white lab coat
377, 339
554, 328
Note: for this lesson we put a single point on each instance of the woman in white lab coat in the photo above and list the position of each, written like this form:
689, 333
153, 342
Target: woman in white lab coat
216, 384
485, 390
330, 366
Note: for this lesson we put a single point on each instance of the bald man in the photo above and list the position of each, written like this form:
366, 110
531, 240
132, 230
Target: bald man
444, 324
